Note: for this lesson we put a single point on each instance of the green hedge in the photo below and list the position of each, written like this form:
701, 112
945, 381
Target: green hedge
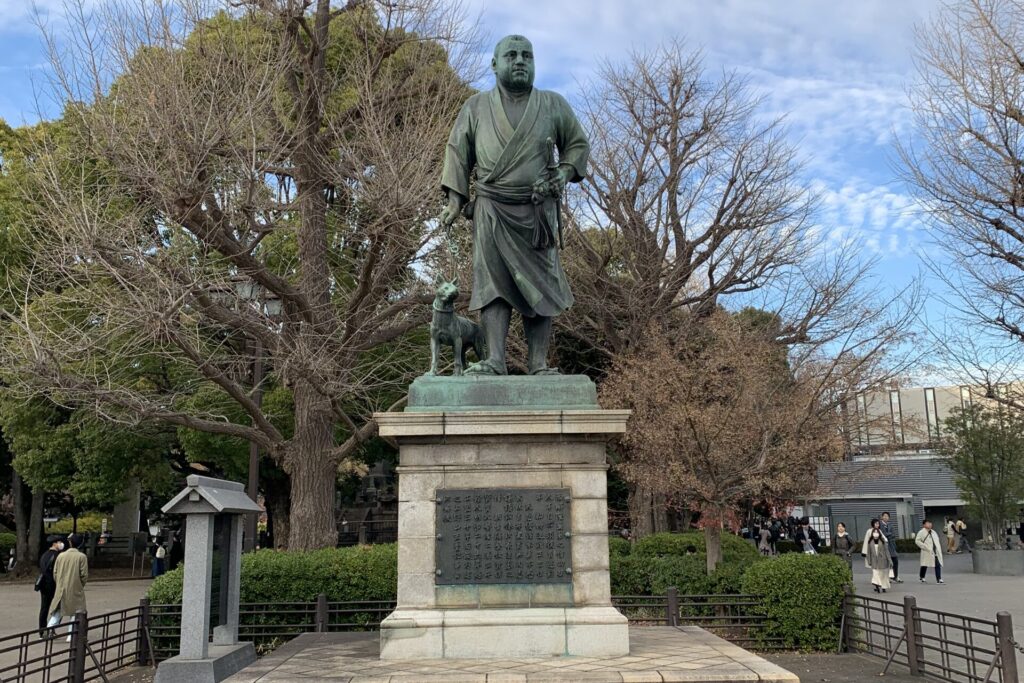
87, 521
906, 545
617, 545
7, 541
368, 572
802, 595
735, 550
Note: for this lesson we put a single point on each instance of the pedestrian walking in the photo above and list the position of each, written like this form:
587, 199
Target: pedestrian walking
961, 536
879, 560
777, 534
46, 585
949, 529
159, 558
806, 537
875, 524
843, 544
765, 544
890, 540
71, 572
931, 551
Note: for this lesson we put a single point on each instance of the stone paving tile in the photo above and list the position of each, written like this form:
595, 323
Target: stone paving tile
659, 655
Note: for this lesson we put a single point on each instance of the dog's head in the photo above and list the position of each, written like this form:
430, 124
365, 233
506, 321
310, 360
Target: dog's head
447, 291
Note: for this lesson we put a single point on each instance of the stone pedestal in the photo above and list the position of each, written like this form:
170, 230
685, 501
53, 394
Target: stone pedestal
503, 446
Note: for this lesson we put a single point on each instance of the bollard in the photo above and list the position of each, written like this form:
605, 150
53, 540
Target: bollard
321, 613
1004, 633
672, 606
915, 653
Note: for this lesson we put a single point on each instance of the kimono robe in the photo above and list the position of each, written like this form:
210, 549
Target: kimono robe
510, 261
71, 571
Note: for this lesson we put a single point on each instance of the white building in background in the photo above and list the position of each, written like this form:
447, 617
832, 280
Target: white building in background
892, 464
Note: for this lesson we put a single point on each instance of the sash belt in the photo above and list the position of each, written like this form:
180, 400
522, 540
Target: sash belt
543, 231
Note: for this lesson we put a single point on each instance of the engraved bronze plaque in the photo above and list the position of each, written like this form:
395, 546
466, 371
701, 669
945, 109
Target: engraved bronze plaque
503, 536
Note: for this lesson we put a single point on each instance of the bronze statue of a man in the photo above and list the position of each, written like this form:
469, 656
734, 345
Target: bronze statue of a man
506, 135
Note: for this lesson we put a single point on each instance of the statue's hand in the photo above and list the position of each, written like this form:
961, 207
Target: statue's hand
560, 180
452, 210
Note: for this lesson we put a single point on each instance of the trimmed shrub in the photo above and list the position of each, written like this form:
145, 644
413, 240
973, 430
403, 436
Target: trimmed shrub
787, 547
7, 541
653, 575
617, 545
87, 521
368, 572
906, 545
735, 550
802, 596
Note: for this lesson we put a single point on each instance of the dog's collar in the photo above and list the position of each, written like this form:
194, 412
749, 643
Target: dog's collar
443, 310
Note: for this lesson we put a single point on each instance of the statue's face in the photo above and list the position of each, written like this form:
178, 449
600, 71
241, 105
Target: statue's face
513, 64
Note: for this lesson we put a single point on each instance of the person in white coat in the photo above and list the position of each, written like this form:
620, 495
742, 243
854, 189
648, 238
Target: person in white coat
928, 541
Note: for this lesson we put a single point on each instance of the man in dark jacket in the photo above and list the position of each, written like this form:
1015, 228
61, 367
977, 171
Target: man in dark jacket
806, 537
46, 584
890, 540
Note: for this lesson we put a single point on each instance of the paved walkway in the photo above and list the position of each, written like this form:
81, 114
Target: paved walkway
964, 592
657, 654
21, 603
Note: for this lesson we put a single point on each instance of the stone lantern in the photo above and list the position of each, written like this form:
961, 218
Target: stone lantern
214, 512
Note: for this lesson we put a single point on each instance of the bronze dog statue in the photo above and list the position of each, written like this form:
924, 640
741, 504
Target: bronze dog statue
452, 330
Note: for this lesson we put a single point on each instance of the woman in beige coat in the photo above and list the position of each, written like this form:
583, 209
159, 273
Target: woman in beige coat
70, 571
928, 541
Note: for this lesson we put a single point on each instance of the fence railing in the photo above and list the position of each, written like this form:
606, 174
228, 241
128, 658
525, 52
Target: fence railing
737, 618
940, 645
945, 647
85, 648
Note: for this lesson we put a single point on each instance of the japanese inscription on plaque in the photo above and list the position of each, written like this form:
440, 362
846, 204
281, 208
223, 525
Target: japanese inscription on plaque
503, 536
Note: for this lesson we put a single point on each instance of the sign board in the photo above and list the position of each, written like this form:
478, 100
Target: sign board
487, 536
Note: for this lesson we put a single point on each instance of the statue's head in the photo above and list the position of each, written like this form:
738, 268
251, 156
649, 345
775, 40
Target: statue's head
513, 63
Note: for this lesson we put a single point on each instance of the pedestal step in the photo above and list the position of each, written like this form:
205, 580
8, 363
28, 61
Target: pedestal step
504, 633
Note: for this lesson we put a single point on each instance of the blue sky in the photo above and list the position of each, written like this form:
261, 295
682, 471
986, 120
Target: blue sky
836, 70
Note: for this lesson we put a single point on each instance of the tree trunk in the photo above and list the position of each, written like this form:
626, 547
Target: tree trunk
35, 527
278, 499
648, 512
313, 473
640, 512
713, 539
22, 502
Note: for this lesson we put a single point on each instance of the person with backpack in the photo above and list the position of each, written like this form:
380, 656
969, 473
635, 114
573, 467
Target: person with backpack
46, 584
961, 536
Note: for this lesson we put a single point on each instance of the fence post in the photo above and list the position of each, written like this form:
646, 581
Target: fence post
362, 533
844, 619
915, 652
79, 639
321, 613
672, 606
1004, 632
142, 639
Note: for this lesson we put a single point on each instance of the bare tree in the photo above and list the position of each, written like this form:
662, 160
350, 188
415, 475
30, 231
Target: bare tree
215, 159
725, 412
965, 162
693, 203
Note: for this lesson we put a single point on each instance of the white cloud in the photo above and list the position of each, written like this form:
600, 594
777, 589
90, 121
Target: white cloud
884, 219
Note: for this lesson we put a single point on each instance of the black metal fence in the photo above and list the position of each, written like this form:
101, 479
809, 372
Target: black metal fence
939, 645
737, 618
942, 646
83, 649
